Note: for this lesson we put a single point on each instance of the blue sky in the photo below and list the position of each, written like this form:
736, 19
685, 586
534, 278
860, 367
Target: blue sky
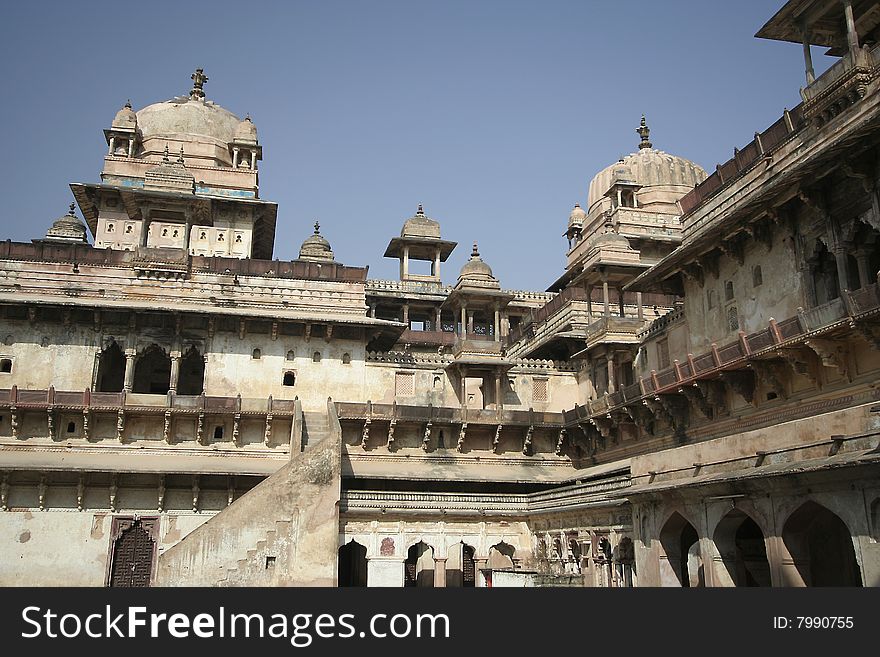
493, 114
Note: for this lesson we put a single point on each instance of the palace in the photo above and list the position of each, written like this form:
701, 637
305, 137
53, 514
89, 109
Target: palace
693, 402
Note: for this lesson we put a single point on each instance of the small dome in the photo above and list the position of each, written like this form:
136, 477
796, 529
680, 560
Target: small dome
577, 216
125, 118
611, 239
246, 131
475, 269
316, 248
419, 225
668, 177
68, 228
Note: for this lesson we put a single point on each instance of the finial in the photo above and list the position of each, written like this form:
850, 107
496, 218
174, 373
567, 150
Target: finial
199, 78
475, 253
577, 205
247, 117
317, 228
71, 212
128, 103
180, 157
643, 130
165, 156
421, 210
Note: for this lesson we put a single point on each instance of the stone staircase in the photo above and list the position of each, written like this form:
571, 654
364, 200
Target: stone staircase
316, 427
260, 565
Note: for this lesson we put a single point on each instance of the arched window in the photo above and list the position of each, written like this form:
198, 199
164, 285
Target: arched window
728, 291
740, 543
821, 547
110, 228
346, 359
352, 564
6, 365
681, 563
218, 432
290, 355
111, 369
191, 379
316, 357
289, 379
757, 276
152, 371
711, 299
71, 427
732, 319
256, 354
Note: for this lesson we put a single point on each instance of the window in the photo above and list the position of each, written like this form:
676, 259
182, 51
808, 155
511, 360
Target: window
346, 359
220, 237
757, 276
732, 319
290, 355
238, 238
257, 354
728, 291
71, 427
218, 433
289, 379
405, 384
711, 299
6, 366
316, 357
110, 228
539, 391
203, 235
128, 229
175, 234
164, 232
662, 354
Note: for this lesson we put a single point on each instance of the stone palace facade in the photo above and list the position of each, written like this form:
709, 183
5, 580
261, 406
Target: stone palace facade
693, 402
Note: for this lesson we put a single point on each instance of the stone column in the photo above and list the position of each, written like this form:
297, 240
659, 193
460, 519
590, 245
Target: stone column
620, 300
373, 310
607, 310
129, 369
131, 147
438, 324
641, 310
463, 386
463, 329
499, 399
175, 371
612, 387
497, 325
852, 37
235, 157
406, 314
808, 57
479, 565
404, 263
112, 145
435, 269
864, 274
590, 302
470, 323
439, 572
842, 268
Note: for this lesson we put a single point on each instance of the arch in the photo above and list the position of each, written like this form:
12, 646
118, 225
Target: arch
419, 566
352, 567
291, 355
289, 379
346, 358
501, 555
740, 544
461, 568
133, 554
152, 371
821, 547
111, 369
191, 379
623, 556
757, 276
680, 558
316, 357
256, 354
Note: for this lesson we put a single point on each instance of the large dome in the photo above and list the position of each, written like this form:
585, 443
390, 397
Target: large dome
185, 115
655, 171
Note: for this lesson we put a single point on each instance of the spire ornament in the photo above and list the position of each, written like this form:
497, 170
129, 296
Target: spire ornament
199, 78
643, 130
317, 228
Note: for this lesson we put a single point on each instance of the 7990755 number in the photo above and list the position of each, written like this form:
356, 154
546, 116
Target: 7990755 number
825, 622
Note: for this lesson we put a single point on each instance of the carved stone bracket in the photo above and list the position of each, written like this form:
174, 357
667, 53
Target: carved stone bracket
527, 443
426, 438
365, 434
200, 429
461, 434
196, 493
713, 392
694, 272
497, 440
120, 425
695, 396
80, 492
166, 428
641, 416
236, 429
658, 410
831, 354
735, 247
160, 503
870, 332
771, 375
799, 361
86, 425
742, 382
678, 409
267, 434
391, 428
560, 441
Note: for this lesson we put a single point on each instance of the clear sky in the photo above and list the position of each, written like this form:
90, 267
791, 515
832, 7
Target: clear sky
493, 114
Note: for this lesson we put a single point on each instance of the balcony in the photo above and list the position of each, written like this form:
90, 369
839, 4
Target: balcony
614, 329
842, 85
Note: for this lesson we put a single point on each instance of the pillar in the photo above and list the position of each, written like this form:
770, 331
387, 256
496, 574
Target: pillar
864, 274
175, 371
435, 269
235, 157
129, 370
590, 302
406, 314
612, 387
852, 37
479, 566
439, 572
438, 324
499, 398
112, 145
620, 300
641, 310
131, 147
463, 386
607, 310
404, 263
463, 329
373, 310
497, 325
842, 268
470, 323
808, 57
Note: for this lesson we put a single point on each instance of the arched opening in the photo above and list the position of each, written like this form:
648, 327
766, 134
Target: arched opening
218, 433
6, 366
133, 553
823, 268
461, 568
191, 379
256, 354
291, 355
352, 564
71, 427
623, 556
152, 372
111, 369
821, 547
501, 556
419, 566
316, 357
346, 359
681, 563
740, 543
289, 379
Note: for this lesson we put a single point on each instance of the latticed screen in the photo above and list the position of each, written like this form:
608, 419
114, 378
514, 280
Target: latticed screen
405, 384
539, 390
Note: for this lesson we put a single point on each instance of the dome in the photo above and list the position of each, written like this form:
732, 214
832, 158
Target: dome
316, 248
419, 225
475, 270
188, 116
577, 216
652, 170
246, 131
68, 228
125, 118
